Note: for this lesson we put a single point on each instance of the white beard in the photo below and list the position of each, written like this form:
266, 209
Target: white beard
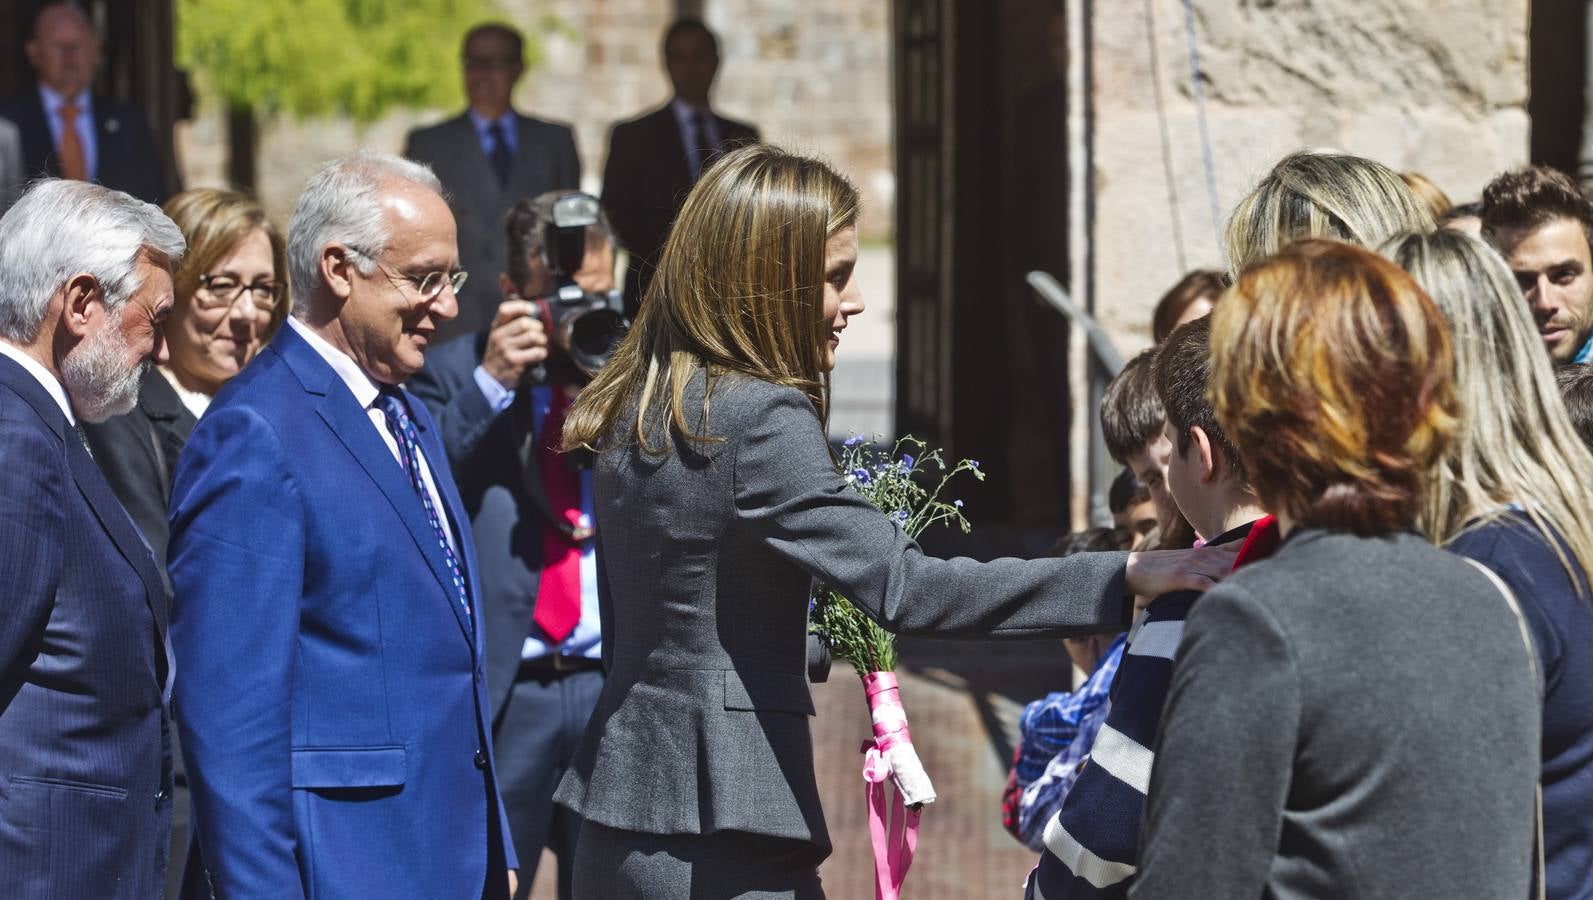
97, 378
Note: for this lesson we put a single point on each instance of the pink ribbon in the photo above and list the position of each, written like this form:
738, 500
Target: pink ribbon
895, 841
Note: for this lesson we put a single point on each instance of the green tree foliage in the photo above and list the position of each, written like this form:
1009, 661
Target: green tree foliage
354, 58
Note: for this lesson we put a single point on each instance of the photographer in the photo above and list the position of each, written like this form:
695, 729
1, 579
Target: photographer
499, 397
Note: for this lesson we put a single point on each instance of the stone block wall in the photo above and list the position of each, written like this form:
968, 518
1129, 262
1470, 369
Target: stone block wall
1437, 87
815, 76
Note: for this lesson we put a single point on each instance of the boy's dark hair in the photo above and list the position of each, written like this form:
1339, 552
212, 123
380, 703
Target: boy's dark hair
1576, 387
1534, 196
1182, 372
1126, 490
1461, 211
1131, 413
1090, 541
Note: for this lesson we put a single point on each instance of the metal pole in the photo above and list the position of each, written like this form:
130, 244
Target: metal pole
1102, 364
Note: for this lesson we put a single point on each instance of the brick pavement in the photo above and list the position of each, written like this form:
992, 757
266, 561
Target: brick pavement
962, 701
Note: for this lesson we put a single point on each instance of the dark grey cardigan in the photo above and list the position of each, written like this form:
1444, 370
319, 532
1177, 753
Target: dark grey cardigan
1351, 718
708, 556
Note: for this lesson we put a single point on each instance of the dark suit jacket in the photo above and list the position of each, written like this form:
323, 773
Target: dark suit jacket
85, 780
495, 465
138, 454
544, 160
127, 157
707, 558
333, 701
646, 179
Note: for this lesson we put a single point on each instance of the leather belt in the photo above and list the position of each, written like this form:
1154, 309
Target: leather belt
558, 664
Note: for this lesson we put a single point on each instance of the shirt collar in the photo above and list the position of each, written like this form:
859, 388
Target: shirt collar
483, 123
362, 386
685, 112
53, 101
1585, 355
51, 384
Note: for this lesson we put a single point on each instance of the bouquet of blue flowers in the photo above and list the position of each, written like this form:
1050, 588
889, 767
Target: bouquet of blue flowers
894, 481
906, 484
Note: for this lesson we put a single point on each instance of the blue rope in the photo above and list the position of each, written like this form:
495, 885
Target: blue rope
1205, 133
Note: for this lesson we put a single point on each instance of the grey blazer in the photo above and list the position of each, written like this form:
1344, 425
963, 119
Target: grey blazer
544, 160
1353, 717
707, 558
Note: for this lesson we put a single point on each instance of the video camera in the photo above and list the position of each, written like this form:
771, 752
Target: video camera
586, 327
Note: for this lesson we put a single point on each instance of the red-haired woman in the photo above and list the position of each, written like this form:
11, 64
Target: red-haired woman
1357, 715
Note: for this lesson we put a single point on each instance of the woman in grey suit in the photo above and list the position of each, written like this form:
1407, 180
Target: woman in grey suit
720, 504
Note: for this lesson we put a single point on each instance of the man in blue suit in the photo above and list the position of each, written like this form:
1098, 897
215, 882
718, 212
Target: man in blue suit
85, 764
333, 701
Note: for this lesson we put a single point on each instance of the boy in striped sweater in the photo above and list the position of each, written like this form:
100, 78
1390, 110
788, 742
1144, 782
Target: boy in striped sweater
1092, 842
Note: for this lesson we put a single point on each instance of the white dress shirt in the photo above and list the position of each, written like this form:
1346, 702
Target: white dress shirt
365, 391
43, 377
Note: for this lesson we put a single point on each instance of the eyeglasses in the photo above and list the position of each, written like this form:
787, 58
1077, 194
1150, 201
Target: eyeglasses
223, 291
428, 285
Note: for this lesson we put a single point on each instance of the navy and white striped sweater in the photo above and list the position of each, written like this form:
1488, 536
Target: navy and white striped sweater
1092, 842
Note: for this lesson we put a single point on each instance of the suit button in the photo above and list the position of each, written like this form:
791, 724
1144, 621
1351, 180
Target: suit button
481, 760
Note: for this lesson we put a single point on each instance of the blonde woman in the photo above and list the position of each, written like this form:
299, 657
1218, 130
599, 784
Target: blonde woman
720, 505
1322, 193
1513, 496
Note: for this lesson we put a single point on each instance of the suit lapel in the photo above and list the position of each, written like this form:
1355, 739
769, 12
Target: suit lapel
349, 423
672, 141
114, 519
529, 161
97, 493
474, 169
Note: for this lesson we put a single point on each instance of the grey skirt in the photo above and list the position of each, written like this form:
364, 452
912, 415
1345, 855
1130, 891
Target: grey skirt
611, 864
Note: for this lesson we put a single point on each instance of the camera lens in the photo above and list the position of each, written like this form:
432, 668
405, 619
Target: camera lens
593, 337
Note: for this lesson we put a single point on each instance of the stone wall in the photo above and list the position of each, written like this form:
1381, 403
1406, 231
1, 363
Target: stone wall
1438, 87
814, 75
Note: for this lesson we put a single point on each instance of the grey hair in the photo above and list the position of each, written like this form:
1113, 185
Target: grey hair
59, 229
1321, 193
1516, 443
341, 204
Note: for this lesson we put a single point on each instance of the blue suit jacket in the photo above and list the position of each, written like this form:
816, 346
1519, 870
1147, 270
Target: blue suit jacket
332, 699
85, 776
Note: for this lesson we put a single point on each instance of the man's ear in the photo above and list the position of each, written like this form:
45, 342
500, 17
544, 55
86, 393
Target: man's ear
337, 270
1207, 451
81, 297
506, 287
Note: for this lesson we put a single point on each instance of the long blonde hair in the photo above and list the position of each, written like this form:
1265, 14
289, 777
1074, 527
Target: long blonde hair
1516, 443
739, 289
1321, 193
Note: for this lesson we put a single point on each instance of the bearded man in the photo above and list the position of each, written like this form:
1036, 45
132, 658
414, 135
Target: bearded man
85, 281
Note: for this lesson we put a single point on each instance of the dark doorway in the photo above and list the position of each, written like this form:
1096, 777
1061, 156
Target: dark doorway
982, 177
1557, 104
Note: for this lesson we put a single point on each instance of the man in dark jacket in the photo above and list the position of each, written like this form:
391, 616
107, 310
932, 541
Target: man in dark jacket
69, 132
654, 160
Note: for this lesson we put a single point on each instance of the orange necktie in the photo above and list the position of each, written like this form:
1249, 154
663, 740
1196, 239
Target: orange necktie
72, 163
